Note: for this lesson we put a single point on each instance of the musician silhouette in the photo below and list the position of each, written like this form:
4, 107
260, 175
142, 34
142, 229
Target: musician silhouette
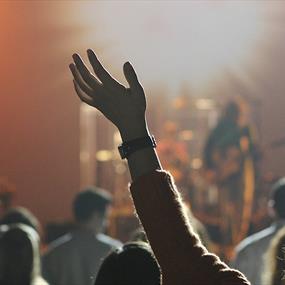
229, 156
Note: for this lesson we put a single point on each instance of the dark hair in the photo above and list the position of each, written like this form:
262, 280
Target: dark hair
231, 111
133, 264
19, 255
278, 197
20, 215
89, 201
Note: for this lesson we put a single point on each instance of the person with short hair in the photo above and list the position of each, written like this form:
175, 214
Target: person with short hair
133, 264
75, 258
250, 251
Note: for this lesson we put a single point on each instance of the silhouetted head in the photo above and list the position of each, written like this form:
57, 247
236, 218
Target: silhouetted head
20, 215
232, 112
277, 199
19, 255
90, 207
133, 264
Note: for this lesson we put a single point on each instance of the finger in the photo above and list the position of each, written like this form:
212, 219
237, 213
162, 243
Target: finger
84, 98
87, 76
79, 80
102, 73
132, 78
80, 94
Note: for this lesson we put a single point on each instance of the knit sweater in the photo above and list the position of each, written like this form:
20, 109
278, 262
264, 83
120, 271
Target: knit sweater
179, 252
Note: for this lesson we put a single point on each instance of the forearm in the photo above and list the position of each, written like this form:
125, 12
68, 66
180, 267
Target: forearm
142, 162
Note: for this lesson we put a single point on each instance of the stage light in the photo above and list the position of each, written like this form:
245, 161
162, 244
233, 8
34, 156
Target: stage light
196, 163
204, 104
186, 135
104, 155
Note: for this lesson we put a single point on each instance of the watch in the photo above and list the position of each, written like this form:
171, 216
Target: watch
129, 147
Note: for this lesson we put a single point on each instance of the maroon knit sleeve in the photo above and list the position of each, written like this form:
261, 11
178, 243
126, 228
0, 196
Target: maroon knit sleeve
181, 256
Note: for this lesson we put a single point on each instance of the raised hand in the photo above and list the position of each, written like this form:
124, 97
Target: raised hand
124, 107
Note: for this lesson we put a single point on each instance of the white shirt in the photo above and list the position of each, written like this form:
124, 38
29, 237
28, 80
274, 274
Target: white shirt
249, 253
75, 258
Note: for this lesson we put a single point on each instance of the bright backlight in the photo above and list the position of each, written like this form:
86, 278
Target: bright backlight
175, 42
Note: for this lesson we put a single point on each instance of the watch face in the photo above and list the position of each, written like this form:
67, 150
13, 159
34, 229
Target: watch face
126, 148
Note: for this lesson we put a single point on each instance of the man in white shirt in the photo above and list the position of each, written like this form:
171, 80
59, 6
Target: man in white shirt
250, 252
75, 258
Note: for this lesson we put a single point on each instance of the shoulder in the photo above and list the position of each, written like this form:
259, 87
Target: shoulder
258, 239
108, 241
40, 281
59, 244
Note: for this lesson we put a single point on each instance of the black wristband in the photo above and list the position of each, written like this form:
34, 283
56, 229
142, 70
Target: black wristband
129, 147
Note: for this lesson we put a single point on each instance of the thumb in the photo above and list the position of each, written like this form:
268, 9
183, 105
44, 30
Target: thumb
131, 77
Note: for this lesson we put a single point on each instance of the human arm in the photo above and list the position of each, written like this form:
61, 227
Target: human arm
177, 247
158, 204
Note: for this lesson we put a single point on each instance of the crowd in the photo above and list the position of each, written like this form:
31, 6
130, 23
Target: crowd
169, 251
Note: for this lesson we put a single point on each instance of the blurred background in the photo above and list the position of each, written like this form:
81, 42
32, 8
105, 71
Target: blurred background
193, 58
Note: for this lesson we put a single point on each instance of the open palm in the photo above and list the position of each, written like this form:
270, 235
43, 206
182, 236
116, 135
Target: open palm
124, 107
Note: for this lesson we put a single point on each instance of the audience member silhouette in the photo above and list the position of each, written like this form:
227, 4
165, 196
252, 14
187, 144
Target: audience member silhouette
20, 215
181, 256
274, 261
75, 258
250, 251
133, 264
19, 256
